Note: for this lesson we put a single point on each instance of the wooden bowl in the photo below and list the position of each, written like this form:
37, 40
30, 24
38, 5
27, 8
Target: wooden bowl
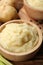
21, 56
32, 12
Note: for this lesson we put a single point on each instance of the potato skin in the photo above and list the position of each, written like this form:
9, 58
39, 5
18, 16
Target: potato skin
7, 13
18, 4
7, 2
7, 10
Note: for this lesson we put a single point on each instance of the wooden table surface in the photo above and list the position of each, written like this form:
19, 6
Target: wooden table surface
37, 60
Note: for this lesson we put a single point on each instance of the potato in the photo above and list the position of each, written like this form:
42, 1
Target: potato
18, 4
7, 13
7, 2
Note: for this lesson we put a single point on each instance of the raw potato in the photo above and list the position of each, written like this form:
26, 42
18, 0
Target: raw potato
18, 4
7, 13
7, 10
8, 2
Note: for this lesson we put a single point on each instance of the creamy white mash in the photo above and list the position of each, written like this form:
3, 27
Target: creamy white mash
37, 4
18, 38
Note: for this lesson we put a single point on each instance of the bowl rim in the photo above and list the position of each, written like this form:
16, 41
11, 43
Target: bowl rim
24, 53
29, 6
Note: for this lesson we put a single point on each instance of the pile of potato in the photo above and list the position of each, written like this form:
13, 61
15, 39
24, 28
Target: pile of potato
7, 10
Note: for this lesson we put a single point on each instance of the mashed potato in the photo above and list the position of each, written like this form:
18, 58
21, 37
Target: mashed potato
18, 38
37, 4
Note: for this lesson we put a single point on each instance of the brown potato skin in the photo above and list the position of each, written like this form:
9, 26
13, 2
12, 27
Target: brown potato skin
7, 10
7, 2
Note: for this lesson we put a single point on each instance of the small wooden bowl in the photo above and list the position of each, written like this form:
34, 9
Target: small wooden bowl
33, 13
21, 56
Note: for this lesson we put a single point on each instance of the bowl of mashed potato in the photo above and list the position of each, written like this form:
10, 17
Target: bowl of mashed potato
19, 40
34, 8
